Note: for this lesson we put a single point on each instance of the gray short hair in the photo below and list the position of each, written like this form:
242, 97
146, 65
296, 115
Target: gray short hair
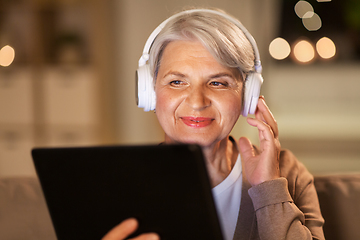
225, 41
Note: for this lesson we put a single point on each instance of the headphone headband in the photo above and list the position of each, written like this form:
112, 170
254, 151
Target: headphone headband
146, 51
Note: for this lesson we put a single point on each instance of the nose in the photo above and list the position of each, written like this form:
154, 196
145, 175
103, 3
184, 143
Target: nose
197, 98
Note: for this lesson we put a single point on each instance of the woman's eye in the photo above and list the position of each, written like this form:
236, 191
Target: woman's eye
218, 84
176, 83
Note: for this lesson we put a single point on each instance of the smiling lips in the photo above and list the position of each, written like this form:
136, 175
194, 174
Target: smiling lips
197, 122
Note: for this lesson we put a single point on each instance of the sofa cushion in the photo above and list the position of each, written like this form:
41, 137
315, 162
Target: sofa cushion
339, 197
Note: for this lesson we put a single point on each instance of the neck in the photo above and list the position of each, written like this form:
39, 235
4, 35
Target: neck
220, 160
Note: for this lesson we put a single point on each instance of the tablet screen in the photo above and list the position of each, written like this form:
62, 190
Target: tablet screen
89, 190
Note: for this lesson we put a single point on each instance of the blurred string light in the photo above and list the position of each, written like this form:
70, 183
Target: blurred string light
326, 48
305, 11
312, 21
7, 56
303, 7
304, 51
279, 48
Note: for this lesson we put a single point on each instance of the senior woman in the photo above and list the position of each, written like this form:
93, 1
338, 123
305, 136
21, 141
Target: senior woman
200, 61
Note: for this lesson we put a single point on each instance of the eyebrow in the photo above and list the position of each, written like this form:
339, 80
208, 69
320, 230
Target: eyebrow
177, 74
215, 76
220, 75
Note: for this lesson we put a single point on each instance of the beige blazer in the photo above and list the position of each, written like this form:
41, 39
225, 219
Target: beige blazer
285, 208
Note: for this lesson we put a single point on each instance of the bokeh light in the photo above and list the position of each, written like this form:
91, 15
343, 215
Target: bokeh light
304, 51
279, 48
326, 48
308, 15
303, 7
312, 21
7, 56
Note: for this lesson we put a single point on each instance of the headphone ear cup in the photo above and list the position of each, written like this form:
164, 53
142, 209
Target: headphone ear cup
146, 97
253, 84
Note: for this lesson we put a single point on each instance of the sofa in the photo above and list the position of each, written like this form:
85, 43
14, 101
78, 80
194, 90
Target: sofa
339, 197
23, 211
24, 215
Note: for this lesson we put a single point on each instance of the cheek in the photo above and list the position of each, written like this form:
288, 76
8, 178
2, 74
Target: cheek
163, 100
231, 109
165, 107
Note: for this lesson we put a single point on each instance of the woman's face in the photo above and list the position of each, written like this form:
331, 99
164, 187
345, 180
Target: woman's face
198, 100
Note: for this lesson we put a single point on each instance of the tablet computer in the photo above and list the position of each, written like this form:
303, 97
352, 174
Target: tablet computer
89, 190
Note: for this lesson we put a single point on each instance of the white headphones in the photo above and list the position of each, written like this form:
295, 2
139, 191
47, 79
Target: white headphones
146, 97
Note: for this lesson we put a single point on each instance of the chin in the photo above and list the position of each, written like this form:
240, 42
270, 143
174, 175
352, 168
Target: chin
202, 141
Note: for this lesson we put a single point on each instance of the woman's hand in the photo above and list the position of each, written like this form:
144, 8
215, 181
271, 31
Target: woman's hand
127, 227
263, 165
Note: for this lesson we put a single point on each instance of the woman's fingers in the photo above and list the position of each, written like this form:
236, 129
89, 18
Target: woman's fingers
147, 236
263, 166
127, 227
264, 114
265, 131
246, 148
122, 230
